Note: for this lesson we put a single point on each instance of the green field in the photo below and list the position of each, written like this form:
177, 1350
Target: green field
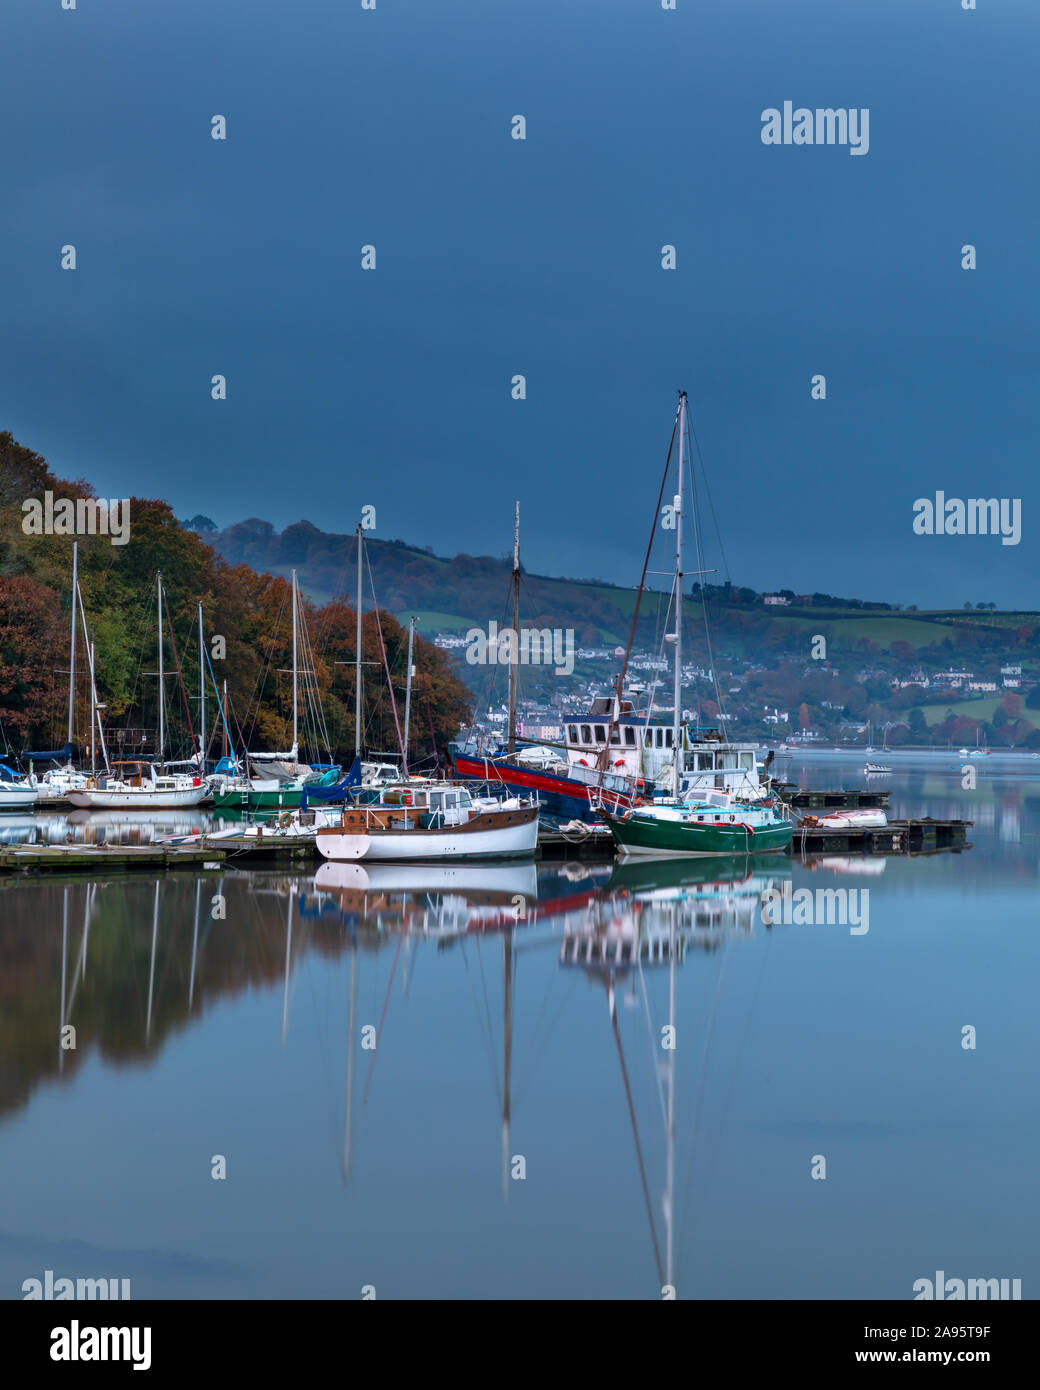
429, 621
982, 709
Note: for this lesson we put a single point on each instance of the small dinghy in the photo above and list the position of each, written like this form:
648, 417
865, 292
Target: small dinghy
876, 768
867, 819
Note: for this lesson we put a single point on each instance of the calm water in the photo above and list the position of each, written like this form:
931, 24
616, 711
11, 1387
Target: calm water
535, 1048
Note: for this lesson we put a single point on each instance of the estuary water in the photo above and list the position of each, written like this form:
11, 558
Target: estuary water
558, 1081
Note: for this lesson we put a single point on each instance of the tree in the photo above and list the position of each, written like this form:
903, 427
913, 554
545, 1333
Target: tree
1012, 705
803, 715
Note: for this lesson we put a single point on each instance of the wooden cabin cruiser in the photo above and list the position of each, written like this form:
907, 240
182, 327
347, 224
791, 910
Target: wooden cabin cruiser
138, 784
435, 821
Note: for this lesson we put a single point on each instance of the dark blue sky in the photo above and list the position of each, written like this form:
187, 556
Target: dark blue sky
541, 257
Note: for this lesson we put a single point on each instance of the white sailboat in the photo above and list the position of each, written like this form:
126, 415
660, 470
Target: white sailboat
136, 783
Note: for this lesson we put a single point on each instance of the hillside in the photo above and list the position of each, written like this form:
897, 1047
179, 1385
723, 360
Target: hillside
249, 610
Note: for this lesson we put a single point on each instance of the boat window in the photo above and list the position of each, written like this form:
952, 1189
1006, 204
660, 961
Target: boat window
727, 760
615, 736
660, 738
630, 736
747, 760
601, 734
668, 738
648, 738
586, 734
573, 731
703, 762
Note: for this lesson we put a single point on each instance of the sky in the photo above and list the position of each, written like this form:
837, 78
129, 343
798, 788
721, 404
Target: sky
496, 257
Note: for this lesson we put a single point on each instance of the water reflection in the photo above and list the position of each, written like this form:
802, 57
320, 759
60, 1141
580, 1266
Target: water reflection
565, 981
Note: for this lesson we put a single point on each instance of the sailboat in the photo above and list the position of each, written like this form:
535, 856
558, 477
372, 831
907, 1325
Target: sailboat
612, 755
132, 783
691, 821
286, 777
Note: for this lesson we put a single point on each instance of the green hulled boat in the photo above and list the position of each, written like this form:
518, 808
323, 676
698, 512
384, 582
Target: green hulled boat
694, 827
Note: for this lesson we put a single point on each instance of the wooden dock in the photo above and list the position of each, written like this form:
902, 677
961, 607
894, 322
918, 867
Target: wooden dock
105, 859
256, 847
897, 837
845, 799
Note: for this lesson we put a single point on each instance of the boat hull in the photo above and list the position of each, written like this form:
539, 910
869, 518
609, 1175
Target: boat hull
563, 797
133, 799
644, 835
492, 835
17, 798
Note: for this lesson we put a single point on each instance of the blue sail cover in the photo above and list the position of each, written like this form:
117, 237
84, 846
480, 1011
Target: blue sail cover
60, 755
316, 792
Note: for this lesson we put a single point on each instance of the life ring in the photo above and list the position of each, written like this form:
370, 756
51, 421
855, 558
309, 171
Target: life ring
620, 762
583, 762
284, 819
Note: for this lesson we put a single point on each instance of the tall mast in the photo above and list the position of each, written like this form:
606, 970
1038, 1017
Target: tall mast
162, 684
202, 700
677, 719
93, 709
357, 657
516, 633
295, 676
72, 657
408, 686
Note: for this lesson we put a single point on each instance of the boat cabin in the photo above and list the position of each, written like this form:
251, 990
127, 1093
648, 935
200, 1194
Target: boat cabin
636, 745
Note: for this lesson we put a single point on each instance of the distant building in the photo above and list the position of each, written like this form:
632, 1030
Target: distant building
775, 601
982, 685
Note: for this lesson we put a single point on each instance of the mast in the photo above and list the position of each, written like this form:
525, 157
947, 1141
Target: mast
202, 700
225, 721
162, 685
295, 678
516, 634
95, 707
677, 719
357, 657
408, 686
72, 657
93, 710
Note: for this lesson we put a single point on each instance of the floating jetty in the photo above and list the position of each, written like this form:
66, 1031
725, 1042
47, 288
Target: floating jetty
104, 859
265, 846
845, 799
897, 837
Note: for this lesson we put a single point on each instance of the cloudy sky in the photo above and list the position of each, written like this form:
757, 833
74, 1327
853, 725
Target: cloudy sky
541, 257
